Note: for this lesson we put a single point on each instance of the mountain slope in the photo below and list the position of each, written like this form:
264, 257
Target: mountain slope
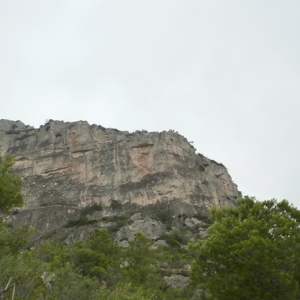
76, 171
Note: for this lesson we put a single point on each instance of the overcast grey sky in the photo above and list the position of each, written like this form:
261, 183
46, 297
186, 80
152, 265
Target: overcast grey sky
225, 74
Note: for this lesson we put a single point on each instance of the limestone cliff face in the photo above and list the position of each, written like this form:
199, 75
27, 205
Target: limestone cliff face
68, 166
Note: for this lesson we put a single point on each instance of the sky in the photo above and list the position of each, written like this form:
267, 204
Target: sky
225, 74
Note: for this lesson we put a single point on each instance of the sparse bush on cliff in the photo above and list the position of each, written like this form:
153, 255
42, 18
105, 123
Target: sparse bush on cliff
115, 204
90, 209
83, 220
164, 215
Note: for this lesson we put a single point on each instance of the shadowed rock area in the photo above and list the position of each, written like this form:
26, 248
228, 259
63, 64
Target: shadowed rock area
76, 171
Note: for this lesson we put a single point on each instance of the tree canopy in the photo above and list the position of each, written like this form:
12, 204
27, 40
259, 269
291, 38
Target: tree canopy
252, 252
10, 185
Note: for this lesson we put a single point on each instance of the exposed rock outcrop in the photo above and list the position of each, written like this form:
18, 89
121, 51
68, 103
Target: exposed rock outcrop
153, 229
69, 166
177, 281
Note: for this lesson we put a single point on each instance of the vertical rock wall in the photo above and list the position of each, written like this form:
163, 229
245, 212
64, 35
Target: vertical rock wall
68, 166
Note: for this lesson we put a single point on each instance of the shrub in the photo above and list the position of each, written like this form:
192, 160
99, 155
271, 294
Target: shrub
83, 220
119, 221
13, 131
90, 209
165, 216
175, 238
115, 204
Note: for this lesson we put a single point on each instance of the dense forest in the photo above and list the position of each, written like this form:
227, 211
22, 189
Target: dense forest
251, 252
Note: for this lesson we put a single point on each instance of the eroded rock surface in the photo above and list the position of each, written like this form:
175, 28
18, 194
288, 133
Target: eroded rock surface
68, 166
140, 223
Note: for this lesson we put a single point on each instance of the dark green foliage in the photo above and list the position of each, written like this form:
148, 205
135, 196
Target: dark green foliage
115, 204
140, 264
252, 252
176, 238
83, 220
13, 131
10, 185
164, 215
127, 292
90, 209
101, 127
116, 218
12, 241
118, 221
54, 253
217, 163
95, 269
168, 227
96, 255
69, 285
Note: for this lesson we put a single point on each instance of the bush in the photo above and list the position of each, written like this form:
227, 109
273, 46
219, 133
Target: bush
90, 209
83, 220
115, 204
119, 221
13, 131
165, 216
176, 238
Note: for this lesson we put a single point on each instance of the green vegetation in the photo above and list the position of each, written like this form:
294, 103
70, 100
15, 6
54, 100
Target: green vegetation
13, 131
176, 238
90, 209
252, 253
10, 185
118, 221
115, 204
83, 220
164, 215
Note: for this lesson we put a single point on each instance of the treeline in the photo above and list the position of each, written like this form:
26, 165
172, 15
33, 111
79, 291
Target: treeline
96, 269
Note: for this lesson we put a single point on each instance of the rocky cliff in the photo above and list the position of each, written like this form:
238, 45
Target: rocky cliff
76, 171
